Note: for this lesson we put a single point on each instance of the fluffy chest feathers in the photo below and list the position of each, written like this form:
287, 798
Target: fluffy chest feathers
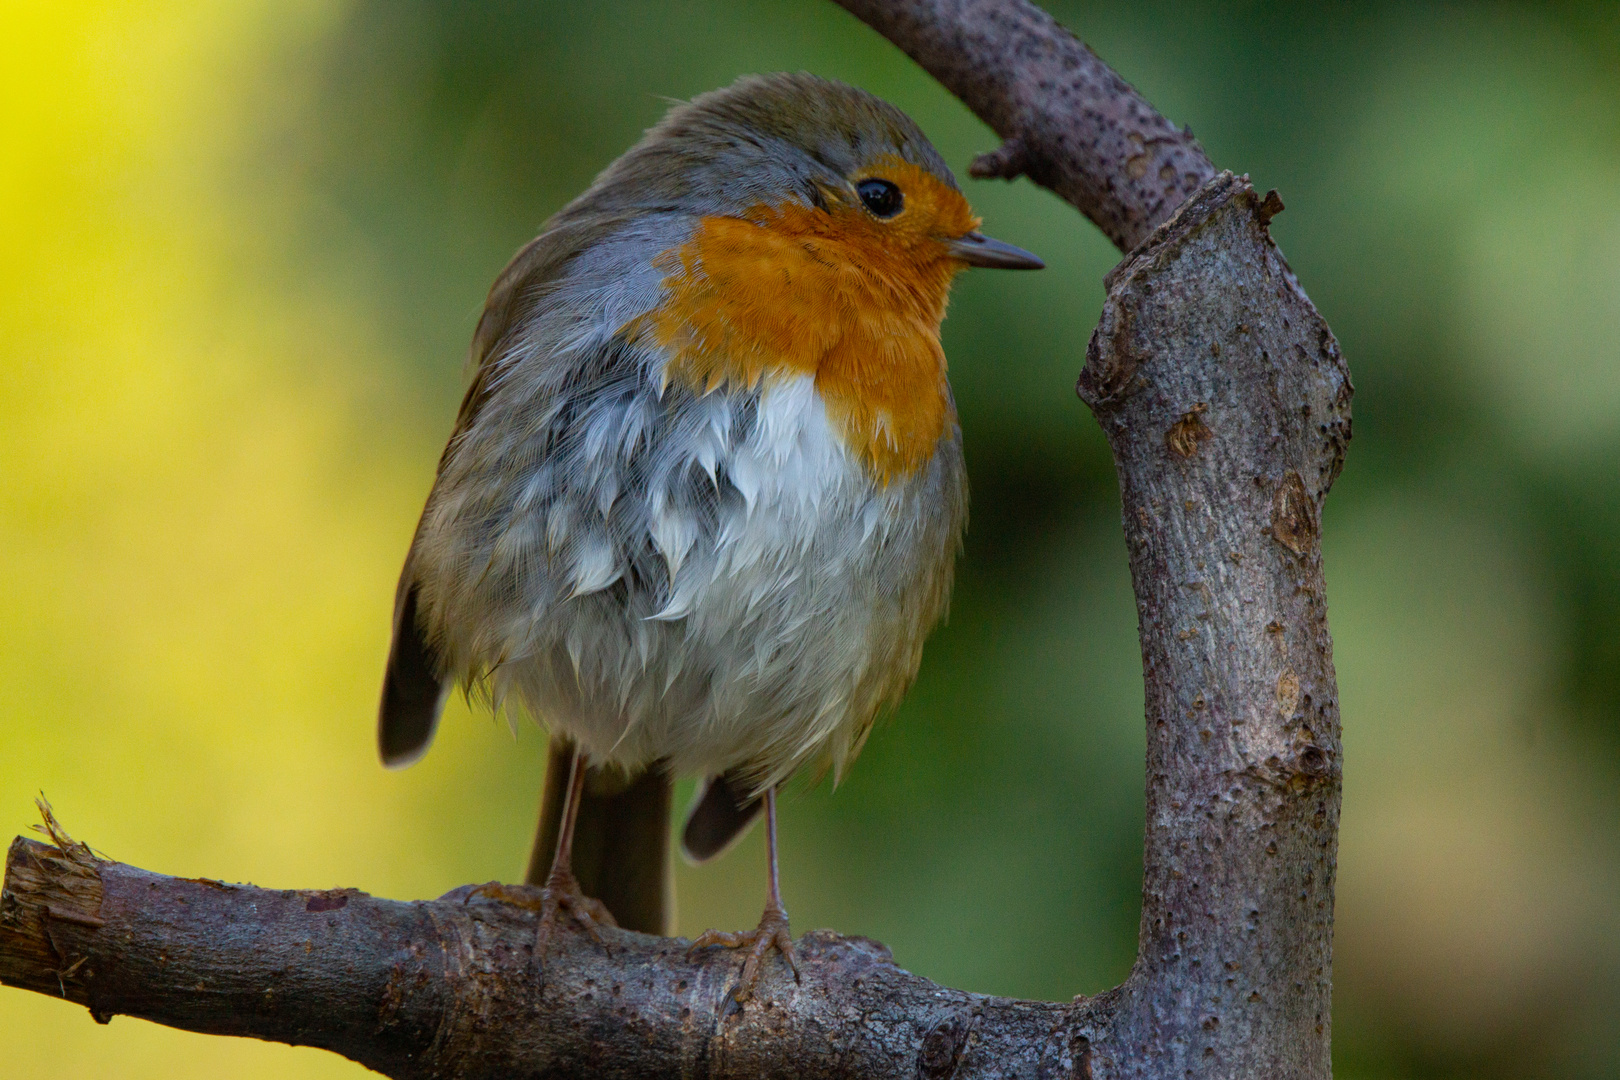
739, 578
788, 291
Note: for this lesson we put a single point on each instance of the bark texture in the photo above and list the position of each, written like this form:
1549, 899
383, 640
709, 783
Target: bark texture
1066, 119
1226, 402
452, 988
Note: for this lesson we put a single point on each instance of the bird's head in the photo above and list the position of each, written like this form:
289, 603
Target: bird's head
799, 142
826, 233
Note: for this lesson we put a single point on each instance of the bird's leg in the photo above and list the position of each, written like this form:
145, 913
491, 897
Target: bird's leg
562, 888
773, 925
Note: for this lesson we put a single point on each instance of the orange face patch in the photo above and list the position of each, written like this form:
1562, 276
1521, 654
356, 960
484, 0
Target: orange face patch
845, 297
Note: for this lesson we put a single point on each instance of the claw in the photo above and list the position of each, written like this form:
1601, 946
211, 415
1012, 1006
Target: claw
772, 931
562, 891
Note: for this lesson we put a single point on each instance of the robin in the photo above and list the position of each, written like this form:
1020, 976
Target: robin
705, 493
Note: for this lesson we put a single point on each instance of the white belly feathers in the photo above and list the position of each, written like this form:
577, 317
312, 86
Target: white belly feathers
708, 579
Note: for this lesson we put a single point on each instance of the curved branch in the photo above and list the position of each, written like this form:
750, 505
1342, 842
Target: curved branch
1067, 120
1226, 403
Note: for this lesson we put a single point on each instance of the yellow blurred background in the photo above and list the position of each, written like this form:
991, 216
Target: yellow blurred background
242, 246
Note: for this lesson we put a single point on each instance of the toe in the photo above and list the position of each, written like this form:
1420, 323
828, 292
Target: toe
582, 915
715, 937
522, 896
784, 945
597, 911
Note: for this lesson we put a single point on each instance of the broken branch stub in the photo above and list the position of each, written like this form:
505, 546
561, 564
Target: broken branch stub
1227, 405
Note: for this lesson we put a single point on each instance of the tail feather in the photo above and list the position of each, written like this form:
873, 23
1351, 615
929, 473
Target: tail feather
621, 840
720, 815
413, 693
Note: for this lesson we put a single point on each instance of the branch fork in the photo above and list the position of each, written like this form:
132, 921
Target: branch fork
1226, 402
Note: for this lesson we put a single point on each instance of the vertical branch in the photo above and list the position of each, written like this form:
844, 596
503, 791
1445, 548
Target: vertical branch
1226, 403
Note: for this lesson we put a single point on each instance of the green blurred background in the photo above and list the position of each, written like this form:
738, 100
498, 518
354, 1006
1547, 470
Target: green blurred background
242, 249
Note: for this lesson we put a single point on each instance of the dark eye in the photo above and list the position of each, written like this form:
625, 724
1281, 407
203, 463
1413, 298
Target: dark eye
880, 197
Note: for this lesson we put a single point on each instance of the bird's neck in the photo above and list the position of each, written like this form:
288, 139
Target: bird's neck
790, 291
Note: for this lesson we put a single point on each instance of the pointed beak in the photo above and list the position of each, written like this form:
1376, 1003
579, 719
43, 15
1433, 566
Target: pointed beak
977, 249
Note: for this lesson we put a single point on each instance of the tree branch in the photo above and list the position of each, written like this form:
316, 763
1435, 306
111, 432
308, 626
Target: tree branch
1226, 403
1067, 120
451, 987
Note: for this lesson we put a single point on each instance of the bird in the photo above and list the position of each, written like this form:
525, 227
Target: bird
705, 492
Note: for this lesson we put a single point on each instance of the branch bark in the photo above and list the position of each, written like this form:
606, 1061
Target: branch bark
1226, 403
452, 988
1066, 119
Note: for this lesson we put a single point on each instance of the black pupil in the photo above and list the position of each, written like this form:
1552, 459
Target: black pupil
880, 197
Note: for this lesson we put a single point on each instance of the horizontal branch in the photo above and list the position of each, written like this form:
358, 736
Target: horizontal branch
451, 987
1067, 120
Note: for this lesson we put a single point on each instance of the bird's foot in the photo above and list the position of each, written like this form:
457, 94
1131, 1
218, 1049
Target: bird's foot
562, 893
772, 931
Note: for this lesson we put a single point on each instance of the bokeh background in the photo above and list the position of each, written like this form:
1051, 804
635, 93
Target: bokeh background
242, 249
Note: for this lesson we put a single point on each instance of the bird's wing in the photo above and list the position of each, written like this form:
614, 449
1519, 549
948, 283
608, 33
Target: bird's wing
414, 683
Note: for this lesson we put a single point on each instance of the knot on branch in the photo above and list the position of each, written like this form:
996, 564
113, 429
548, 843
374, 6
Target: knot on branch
1111, 361
1186, 434
1080, 1053
1308, 766
1293, 515
943, 1045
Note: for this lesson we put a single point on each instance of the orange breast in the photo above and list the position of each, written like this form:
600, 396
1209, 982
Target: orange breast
839, 295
